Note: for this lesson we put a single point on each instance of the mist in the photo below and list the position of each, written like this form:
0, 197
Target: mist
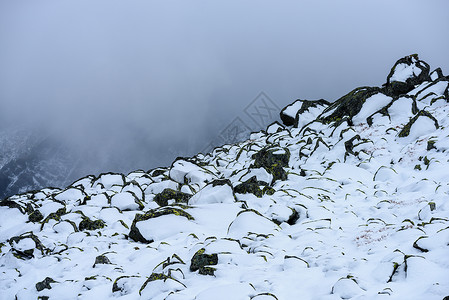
132, 84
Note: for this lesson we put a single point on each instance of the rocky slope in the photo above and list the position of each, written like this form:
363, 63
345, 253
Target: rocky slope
348, 200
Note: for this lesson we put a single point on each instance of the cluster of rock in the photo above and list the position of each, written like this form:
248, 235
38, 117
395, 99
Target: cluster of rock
347, 199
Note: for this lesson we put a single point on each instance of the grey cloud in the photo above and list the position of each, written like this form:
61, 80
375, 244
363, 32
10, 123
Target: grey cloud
136, 82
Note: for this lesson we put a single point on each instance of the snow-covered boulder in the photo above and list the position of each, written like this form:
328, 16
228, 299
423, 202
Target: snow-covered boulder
301, 112
405, 74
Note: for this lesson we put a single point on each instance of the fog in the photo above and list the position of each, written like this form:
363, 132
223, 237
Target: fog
133, 84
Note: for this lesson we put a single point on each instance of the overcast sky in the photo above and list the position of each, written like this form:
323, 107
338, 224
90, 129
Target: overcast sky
149, 78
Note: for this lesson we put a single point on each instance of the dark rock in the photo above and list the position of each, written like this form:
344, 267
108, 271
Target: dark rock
274, 127
349, 105
111, 178
206, 271
293, 217
287, 119
267, 157
251, 186
54, 216
88, 224
44, 284
219, 182
158, 276
267, 190
102, 260
12, 204
273, 162
117, 288
430, 145
135, 234
438, 72
290, 119
35, 216
395, 88
306, 104
200, 260
422, 113
29, 208
417, 246
157, 172
278, 173
28, 253
168, 194
349, 145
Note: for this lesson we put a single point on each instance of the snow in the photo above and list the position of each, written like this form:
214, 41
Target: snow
401, 110
260, 173
369, 224
423, 126
124, 201
164, 226
210, 194
69, 195
224, 292
293, 108
404, 71
371, 105
346, 288
250, 222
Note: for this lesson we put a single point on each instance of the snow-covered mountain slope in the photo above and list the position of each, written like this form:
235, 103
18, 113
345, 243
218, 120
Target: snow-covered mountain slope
30, 160
351, 203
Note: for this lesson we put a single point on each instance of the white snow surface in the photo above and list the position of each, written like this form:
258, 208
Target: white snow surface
370, 223
371, 105
293, 108
404, 71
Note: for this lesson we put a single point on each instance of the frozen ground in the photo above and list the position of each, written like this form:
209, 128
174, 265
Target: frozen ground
353, 204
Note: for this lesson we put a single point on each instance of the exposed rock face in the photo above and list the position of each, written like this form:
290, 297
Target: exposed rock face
351, 194
169, 194
44, 284
252, 186
137, 236
291, 113
200, 260
102, 260
349, 105
88, 224
273, 160
406, 73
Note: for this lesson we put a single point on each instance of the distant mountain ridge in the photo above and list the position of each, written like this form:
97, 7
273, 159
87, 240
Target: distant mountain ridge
345, 200
31, 160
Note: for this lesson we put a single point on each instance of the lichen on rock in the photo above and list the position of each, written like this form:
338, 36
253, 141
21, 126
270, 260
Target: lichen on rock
348, 106
273, 160
88, 224
169, 194
44, 284
422, 113
35, 216
102, 260
200, 260
250, 186
22, 251
135, 234
405, 74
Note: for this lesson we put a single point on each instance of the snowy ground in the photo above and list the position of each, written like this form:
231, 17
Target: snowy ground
329, 210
